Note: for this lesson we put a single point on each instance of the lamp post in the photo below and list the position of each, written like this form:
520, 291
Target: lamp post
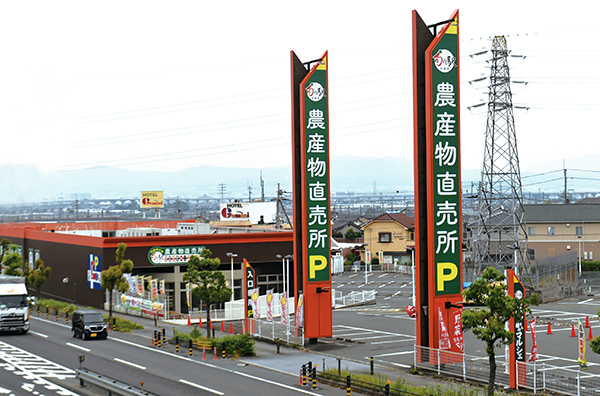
232, 255
579, 253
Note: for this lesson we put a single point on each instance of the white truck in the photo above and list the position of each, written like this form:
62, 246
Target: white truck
14, 304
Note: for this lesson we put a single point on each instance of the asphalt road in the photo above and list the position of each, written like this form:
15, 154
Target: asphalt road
383, 331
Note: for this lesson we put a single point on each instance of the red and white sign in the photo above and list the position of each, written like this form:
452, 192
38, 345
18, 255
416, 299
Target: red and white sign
444, 335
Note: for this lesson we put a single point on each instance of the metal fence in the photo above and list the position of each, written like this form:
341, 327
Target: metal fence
537, 377
354, 297
273, 330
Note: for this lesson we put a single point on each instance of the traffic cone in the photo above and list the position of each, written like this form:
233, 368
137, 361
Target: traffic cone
549, 329
590, 337
200, 322
587, 321
223, 327
210, 321
573, 331
230, 328
189, 320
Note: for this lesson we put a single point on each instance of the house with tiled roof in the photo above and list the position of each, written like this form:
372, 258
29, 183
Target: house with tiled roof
389, 237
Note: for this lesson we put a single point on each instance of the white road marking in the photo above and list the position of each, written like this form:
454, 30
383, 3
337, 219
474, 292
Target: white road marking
381, 276
201, 387
78, 347
585, 301
392, 341
130, 363
38, 334
395, 353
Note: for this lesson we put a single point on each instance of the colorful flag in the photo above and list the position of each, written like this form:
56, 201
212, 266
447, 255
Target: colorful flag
534, 356
187, 294
153, 289
444, 336
255, 305
581, 360
270, 305
285, 318
149, 280
162, 287
140, 285
458, 334
300, 311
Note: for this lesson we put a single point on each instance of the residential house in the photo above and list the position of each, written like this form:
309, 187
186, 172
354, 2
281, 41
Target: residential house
389, 237
556, 229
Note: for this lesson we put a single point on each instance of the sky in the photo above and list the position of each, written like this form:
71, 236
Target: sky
163, 86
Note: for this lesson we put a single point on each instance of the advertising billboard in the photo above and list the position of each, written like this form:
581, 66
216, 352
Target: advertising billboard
152, 199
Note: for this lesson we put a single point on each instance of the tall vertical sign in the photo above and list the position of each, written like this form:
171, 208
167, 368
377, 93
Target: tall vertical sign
438, 214
517, 348
249, 284
312, 229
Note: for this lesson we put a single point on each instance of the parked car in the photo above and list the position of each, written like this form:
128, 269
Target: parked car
89, 324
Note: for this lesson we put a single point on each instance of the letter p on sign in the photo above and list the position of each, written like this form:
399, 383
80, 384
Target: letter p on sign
446, 272
316, 264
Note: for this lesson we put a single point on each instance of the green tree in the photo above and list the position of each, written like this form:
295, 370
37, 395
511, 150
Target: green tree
112, 278
211, 288
351, 234
13, 261
494, 310
38, 275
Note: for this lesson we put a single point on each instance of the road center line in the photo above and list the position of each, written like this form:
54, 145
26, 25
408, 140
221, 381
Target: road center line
201, 387
78, 347
130, 363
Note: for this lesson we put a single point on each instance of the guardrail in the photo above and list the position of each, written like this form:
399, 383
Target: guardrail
363, 296
109, 384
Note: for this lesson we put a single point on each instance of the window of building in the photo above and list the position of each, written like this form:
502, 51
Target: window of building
385, 237
530, 230
412, 236
550, 230
579, 230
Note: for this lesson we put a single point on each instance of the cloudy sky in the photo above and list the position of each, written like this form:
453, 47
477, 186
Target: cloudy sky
171, 85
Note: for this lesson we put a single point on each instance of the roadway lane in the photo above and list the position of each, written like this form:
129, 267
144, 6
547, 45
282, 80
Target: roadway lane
162, 371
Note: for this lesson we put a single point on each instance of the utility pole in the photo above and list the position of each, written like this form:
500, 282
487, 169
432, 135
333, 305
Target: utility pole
221, 189
501, 232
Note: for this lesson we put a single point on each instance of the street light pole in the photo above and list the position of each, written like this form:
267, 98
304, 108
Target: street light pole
579, 253
232, 255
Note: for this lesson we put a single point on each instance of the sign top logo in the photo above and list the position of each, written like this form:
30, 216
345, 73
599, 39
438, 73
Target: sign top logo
315, 91
444, 60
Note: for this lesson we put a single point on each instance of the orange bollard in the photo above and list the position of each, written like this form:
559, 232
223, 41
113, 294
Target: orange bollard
211, 324
189, 320
549, 329
215, 353
200, 322
223, 327
587, 321
230, 328
203, 353
573, 334
590, 337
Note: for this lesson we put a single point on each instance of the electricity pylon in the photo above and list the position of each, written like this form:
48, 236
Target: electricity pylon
501, 232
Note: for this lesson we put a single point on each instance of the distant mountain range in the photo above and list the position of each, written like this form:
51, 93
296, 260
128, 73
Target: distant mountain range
26, 183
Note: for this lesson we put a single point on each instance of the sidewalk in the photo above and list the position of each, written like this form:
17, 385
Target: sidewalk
289, 360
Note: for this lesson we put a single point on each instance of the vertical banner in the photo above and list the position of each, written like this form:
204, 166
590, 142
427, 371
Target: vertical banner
94, 272
270, 305
299, 315
249, 283
438, 214
255, 303
187, 295
315, 234
518, 350
458, 334
153, 289
30, 258
581, 334
285, 318
162, 287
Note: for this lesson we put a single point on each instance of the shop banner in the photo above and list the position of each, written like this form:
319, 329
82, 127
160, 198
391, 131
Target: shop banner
255, 304
299, 315
444, 335
270, 305
285, 318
